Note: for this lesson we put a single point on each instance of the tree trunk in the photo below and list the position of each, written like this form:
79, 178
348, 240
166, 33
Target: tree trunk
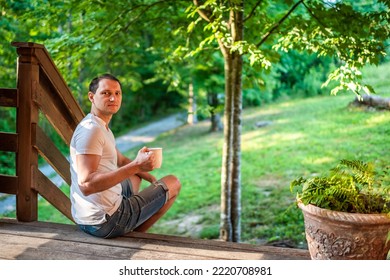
231, 174
216, 123
215, 118
236, 150
373, 101
238, 32
191, 118
226, 184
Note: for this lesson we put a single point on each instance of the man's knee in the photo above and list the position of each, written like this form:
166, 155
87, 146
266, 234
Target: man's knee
173, 184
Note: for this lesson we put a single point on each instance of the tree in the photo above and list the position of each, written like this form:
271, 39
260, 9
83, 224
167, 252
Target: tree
85, 36
353, 34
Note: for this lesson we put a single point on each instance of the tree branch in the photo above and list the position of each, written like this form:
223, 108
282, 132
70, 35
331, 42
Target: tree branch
253, 10
203, 13
313, 15
206, 15
269, 33
143, 7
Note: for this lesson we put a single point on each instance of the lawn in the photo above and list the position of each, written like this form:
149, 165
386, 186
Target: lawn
302, 137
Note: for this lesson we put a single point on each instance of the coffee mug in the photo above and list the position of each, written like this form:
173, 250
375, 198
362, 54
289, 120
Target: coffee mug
157, 156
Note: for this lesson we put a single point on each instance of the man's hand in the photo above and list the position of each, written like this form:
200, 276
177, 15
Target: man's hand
144, 160
147, 176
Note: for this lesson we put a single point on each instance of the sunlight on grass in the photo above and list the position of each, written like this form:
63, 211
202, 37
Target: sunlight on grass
260, 114
320, 161
254, 140
377, 120
302, 137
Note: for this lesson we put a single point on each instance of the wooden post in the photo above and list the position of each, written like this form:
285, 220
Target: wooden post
27, 118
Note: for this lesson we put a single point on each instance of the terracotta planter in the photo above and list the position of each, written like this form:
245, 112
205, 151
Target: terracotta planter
335, 235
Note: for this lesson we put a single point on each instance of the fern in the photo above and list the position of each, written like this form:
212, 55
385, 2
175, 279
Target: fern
351, 186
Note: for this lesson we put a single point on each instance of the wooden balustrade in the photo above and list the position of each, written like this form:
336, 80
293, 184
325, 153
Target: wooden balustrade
40, 88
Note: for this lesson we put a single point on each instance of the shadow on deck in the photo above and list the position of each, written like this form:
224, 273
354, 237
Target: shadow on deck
50, 241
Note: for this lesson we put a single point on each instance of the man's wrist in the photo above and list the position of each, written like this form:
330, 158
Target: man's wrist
134, 167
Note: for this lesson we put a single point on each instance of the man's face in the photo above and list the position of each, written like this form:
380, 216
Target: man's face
108, 97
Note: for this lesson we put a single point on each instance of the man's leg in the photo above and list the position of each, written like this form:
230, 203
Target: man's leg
135, 183
174, 186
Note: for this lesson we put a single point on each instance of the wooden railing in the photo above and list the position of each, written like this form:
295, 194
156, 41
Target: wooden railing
40, 88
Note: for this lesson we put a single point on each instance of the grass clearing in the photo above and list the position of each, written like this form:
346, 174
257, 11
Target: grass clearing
303, 137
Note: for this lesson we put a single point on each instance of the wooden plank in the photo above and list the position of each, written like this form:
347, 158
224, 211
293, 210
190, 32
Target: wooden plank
54, 112
8, 97
29, 248
222, 245
53, 75
53, 156
53, 194
162, 250
27, 45
50, 72
106, 248
54, 87
33, 248
8, 142
8, 184
135, 245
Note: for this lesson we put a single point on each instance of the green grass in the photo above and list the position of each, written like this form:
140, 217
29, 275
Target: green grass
305, 137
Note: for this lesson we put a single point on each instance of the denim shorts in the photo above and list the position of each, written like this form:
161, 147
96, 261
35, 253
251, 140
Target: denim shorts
133, 211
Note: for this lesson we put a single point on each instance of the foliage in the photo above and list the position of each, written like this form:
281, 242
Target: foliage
135, 38
331, 32
87, 39
353, 33
352, 186
146, 45
302, 74
7, 124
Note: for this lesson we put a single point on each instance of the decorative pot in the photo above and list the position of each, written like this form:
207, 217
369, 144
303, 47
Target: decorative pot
333, 235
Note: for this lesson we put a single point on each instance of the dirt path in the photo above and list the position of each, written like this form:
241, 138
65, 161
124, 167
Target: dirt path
149, 133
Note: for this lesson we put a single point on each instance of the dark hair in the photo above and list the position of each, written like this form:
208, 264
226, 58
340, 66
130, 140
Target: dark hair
93, 86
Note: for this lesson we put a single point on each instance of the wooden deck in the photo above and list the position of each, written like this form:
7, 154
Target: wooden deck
50, 241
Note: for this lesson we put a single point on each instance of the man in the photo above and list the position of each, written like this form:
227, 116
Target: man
105, 196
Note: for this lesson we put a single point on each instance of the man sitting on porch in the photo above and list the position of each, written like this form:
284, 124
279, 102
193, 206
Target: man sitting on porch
105, 191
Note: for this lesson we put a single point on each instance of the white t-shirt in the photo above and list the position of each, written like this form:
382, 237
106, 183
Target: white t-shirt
92, 137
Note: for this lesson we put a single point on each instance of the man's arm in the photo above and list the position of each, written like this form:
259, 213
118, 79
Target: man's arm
123, 160
92, 181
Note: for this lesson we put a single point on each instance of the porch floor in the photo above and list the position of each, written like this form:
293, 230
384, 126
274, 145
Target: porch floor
51, 241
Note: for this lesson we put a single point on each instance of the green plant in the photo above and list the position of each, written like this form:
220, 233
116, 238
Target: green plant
352, 186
